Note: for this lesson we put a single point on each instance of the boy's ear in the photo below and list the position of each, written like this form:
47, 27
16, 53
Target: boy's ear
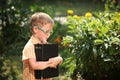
35, 29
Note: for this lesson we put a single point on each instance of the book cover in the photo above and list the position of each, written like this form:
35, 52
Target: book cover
43, 52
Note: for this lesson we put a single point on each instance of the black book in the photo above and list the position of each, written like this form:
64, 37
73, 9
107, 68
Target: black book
43, 52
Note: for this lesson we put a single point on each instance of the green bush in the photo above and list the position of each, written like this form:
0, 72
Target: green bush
14, 33
94, 43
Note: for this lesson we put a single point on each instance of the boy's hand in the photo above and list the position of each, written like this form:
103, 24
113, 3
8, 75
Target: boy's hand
55, 61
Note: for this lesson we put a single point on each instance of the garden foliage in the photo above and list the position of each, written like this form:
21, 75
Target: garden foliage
14, 33
94, 42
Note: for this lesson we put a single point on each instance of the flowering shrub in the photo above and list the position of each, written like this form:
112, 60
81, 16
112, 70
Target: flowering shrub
94, 43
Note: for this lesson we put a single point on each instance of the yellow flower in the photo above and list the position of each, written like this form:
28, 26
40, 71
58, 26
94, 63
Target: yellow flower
70, 12
88, 14
76, 16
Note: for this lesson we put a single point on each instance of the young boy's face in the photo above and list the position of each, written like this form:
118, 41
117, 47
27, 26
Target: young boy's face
44, 32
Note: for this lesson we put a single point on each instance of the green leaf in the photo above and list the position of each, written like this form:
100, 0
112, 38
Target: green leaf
98, 42
104, 30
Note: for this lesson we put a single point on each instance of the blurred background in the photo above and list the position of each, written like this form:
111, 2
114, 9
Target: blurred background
77, 22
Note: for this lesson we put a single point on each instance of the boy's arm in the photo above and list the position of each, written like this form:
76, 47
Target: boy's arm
39, 65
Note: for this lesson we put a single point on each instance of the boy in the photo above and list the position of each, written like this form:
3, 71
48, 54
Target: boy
41, 25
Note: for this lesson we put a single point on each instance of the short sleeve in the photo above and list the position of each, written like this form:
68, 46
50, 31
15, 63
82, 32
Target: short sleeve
28, 52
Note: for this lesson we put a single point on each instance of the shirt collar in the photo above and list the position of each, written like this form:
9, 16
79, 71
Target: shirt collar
35, 40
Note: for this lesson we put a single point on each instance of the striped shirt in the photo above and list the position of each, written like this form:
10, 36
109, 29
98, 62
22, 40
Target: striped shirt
28, 52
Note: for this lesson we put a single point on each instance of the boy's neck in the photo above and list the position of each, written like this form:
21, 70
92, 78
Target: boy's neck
36, 39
